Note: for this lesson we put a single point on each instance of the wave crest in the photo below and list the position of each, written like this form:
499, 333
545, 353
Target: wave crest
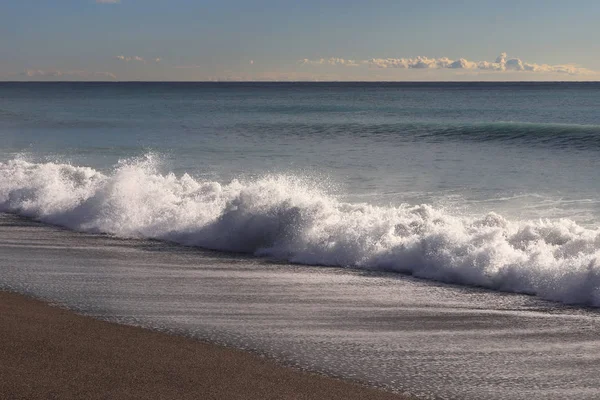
288, 218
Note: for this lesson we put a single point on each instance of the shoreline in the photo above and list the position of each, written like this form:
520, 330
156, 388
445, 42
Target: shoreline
51, 352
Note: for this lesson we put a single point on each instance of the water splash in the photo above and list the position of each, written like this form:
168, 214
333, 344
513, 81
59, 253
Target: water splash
291, 219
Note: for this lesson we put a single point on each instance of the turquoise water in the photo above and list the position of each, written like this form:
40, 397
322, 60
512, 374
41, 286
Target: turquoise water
488, 184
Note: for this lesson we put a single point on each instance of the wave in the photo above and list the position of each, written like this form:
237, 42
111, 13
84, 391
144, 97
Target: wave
582, 137
547, 135
291, 219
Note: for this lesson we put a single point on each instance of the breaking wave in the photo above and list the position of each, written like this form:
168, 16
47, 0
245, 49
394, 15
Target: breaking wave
289, 219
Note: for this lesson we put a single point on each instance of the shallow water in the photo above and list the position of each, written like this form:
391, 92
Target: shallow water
431, 340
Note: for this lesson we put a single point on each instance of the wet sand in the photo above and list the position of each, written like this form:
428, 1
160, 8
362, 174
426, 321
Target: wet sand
418, 337
48, 352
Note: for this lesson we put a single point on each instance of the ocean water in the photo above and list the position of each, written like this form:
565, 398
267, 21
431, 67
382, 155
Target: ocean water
493, 185
307, 210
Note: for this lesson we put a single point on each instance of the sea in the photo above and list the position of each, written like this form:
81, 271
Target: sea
437, 239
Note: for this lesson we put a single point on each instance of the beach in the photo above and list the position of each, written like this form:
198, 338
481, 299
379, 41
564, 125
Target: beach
49, 352
382, 330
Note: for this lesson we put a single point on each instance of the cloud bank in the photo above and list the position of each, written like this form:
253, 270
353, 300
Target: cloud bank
502, 64
331, 61
40, 73
137, 59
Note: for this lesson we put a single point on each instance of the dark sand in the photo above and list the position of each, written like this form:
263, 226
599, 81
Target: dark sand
51, 353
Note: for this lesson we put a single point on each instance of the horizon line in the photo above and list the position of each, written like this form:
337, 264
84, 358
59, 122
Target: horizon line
290, 81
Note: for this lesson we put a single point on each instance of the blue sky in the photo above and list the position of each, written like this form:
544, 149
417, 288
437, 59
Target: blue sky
293, 40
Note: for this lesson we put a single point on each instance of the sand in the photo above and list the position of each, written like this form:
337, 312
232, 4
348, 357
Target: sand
52, 353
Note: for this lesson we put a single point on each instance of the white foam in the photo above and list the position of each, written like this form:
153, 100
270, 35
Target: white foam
287, 218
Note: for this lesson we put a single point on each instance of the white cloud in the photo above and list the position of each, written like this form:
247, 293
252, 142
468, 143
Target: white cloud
502, 63
418, 62
130, 58
40, 73
137, 59
501, 59
462, 63
330, 61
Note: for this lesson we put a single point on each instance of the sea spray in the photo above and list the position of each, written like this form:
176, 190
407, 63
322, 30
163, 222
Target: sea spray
287, 218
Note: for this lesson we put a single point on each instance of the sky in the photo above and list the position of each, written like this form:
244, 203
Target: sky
313, 40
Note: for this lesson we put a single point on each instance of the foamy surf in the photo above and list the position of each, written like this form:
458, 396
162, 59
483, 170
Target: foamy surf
287, 218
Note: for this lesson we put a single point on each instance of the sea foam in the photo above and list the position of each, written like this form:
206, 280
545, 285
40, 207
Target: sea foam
287, 218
